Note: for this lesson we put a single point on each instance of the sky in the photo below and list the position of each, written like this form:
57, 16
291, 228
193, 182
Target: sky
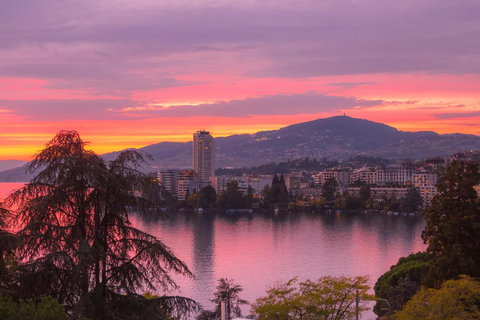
132, 73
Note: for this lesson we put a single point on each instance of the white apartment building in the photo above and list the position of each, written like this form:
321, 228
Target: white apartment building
343, 176
395, 174
367, 175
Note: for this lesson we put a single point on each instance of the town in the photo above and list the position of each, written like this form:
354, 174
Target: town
407, 185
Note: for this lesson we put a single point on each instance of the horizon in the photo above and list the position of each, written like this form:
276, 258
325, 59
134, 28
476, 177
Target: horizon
127, 75
88, 144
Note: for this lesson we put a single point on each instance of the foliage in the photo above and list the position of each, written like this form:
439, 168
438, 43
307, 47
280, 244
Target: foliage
327, 298
79, 244
329, 190
267, 194
231, 197
280, 168
205, 198
401, 282
353, 203
279, 191
152, 192
8, 244
365, 192
412, 201
456, 299
452, 229
46, 309
227, 291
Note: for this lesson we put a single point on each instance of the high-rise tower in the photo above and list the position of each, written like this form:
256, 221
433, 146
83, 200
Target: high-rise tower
203, 155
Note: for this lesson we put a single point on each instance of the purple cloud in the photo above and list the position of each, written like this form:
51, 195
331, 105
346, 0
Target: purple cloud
281, 104
126, 109
115, 44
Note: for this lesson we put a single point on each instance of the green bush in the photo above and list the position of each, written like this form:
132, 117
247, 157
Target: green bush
46, 309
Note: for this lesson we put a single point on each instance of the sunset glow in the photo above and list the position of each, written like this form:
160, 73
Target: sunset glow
127, 75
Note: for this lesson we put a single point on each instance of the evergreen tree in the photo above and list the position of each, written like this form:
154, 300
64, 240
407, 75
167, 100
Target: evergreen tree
231, 197
412, 201
8, 244
79, 244
452, 229
229, 292
329, 190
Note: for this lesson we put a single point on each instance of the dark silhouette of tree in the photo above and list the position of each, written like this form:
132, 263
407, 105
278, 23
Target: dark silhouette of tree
329, 190
365, 193
79, 244
208, 196
275, 188
267, 194
229, 292
231, 197
452, 229
8, 244
249, 197
412, 201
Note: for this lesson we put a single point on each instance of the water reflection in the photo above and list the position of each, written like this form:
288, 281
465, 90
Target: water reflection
259, 249
203, 253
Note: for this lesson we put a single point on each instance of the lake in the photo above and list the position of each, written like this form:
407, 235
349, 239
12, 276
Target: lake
256, 250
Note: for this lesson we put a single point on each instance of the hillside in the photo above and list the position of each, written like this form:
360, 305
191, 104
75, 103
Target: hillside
338, 137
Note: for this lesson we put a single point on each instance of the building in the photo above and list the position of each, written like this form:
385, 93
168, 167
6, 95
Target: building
197, 185
426, 182
395, 174
219, 183
381, 193
367, 175
343, 176
203, 155
168, 179
183, 183
259, 183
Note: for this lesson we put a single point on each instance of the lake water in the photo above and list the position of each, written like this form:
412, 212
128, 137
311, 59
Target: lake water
256, 250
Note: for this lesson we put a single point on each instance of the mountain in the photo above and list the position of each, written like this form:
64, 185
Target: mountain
10, 164
18, 174
338, 137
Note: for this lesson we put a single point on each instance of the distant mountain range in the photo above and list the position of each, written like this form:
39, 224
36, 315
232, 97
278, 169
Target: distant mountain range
339, 137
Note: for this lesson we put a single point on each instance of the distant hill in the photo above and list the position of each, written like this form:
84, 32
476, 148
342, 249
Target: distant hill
338, 137
10, 164
18, 174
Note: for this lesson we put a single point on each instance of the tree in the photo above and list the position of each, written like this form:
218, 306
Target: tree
456, 299
227, 291
329, 190
401, 282
452, 229
47, 308
79, 244
327, 298
412, 201
208, 197
8, 244
249, 197
231, 197
365, 193
267, 194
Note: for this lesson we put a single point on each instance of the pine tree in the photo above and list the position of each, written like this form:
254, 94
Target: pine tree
452, 229
79, 244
